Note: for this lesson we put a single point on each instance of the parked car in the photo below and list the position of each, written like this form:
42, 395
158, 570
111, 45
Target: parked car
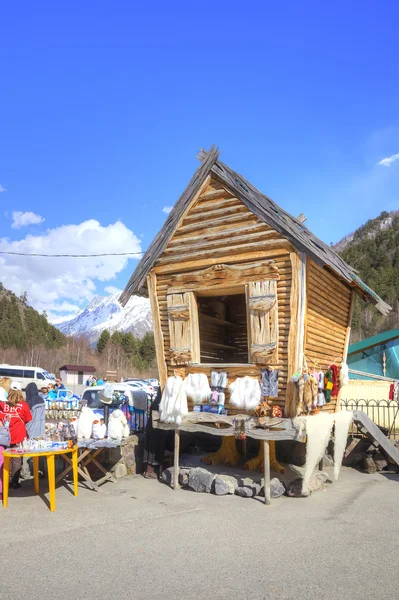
25, 375
147, 387
137, 398
153, 382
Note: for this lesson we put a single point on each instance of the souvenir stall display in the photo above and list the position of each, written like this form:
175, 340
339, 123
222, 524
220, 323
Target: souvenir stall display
241, 292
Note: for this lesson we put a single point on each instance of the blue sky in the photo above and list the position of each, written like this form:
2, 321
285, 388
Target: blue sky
104, 107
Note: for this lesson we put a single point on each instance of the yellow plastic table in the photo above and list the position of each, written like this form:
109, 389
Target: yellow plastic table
50, 456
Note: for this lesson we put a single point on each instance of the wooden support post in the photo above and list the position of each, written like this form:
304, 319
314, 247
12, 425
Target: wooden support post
266, 468
158, 335
176, 460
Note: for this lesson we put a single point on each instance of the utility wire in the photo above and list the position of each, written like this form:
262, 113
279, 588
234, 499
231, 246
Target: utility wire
71, 255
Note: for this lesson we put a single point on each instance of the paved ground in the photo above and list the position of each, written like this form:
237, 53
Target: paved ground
140, 539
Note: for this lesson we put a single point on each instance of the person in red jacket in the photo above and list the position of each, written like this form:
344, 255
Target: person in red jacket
17, 412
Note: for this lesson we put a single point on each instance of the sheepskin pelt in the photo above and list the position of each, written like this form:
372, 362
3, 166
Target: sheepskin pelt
245, 393
342, 422
117, 425
85, 423
318, 433
197, 387
318, 430
173, 406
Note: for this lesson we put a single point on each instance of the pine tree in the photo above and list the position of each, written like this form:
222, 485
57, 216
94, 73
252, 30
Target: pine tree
147, 348
117, 337
129, 343
103, 339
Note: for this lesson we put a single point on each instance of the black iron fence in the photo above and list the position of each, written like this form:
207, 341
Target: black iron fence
384, 413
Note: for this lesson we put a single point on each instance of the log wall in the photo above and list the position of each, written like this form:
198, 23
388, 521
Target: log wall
219, 228
327, 320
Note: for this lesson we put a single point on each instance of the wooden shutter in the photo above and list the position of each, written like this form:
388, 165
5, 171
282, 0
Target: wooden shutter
262, 321
183, 328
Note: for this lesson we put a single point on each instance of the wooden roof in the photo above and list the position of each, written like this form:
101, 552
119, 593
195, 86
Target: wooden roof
267, 211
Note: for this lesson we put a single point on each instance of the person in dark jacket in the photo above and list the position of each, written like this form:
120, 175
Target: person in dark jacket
37, 426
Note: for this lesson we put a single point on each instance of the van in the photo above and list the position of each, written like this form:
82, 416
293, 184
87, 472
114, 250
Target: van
25, 375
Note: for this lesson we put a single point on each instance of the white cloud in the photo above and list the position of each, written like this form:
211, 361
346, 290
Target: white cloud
167, 209
2, 189
58, 284
386, 162
22, 219
111, 289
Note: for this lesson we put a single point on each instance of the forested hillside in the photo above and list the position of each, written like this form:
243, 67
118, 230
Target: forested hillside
373, 250
21, 325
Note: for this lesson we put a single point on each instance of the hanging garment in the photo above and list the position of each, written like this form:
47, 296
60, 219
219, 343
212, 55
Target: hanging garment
310, 391
335, 379
344, 375
245, 393
328, 385
197, 387
219, 379
173, 405
321, 399
269, 382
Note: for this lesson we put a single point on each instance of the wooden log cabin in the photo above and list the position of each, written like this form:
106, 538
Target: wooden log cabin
236, 283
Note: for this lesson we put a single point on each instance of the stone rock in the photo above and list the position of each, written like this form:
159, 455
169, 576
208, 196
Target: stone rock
369, 465
167, 476
230, 481
120, 470
380, 461
328, 461
244, 492
183, 476
277, 488
356, 451
220, 487
200, 480
317, 481
294, 488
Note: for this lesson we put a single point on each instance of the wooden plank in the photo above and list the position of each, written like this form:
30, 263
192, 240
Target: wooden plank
346, 345
266, 468
233, 251
215, 222
211, 237
375, 433
176, 460
229, 258
215, 194
158, 335
293, 359
236, 209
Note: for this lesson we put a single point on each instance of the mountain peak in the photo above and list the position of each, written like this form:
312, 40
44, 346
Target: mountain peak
105, 312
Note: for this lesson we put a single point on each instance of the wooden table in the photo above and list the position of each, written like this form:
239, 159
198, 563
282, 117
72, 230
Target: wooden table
50, 456
85, 457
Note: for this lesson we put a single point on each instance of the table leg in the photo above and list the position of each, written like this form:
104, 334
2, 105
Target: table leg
176, 460
266, 468
75, 471
6, 477
36, 474
51, 480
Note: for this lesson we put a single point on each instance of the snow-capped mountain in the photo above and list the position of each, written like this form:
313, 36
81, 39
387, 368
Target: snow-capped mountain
105, 312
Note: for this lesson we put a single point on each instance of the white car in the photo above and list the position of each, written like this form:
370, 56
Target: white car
144, 385
24, 375
136, 396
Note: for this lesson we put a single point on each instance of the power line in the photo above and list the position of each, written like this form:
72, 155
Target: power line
71, 255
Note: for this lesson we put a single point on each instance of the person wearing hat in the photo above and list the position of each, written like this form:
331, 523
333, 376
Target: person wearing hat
18, 413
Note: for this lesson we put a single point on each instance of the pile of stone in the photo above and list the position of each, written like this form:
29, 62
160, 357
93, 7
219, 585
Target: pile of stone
364, 454
201, 480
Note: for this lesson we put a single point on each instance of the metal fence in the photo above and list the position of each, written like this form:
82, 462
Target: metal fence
384, 413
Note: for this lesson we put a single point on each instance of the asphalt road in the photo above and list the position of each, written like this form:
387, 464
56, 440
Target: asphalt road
140, 539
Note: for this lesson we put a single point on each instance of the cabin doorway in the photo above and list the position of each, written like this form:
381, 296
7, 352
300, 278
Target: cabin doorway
223, 328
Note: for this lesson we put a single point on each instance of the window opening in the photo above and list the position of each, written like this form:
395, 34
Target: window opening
223, 329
